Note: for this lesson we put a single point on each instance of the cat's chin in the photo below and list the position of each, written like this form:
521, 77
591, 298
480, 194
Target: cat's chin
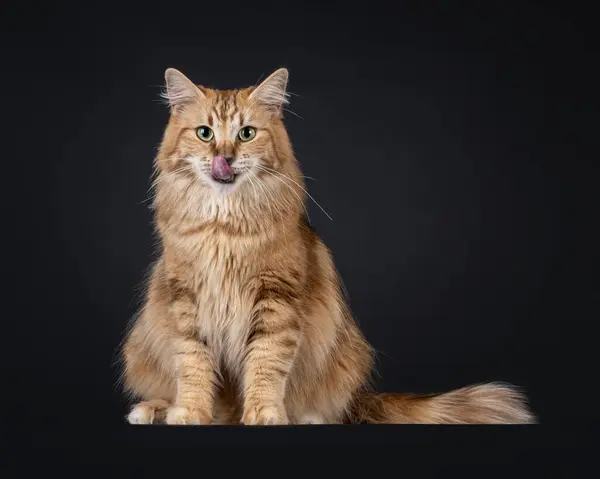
225, 187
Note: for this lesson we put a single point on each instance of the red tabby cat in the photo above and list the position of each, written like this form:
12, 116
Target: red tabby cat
244, 318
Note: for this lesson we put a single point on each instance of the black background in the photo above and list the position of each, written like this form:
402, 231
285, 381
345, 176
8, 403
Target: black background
446, 142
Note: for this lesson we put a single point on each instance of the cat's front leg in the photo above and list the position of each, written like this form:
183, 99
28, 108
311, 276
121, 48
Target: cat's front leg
194, 365
271, 349
195, 375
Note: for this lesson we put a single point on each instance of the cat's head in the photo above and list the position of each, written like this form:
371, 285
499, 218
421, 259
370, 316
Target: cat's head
228, 143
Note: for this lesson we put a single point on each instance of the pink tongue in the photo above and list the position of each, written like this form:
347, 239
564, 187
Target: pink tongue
221, 169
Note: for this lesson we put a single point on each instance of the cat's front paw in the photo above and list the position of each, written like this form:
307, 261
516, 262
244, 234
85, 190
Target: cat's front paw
265, 415
181, 415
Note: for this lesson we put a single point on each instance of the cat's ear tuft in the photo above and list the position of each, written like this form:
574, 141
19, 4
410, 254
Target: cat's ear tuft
272, 91
180, 91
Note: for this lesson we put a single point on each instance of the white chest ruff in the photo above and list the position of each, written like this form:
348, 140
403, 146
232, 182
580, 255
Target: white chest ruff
224, 306
225, 322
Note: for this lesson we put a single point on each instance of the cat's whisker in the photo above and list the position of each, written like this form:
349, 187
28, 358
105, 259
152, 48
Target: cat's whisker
292, 112
291, 189
278, 205
267, 194
256, 195
264, 168
286, 204
172, 174
162, 177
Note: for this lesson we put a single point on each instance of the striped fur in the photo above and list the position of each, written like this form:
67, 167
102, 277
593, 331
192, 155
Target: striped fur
245, 319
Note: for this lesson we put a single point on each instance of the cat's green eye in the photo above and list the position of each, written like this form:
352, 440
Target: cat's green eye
205, 133
247, 133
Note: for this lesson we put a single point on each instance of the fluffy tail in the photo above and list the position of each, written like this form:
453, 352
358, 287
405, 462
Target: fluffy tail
491, 403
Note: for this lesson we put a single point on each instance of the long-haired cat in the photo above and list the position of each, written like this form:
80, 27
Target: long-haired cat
244, 319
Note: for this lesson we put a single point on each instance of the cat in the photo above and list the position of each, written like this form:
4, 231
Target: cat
245, 320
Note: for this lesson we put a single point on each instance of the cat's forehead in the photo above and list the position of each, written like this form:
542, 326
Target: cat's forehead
226, 105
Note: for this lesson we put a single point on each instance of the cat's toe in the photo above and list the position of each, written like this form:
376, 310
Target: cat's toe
180, 416
268, 416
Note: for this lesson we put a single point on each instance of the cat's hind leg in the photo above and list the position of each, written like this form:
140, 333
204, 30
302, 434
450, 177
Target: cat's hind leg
146, 375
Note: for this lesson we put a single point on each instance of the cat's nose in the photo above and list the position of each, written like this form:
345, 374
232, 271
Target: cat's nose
229, 159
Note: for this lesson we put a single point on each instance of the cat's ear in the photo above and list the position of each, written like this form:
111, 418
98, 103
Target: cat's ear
272, 91
180, 91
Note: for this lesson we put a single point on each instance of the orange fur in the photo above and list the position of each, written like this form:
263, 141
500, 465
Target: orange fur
244, 318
